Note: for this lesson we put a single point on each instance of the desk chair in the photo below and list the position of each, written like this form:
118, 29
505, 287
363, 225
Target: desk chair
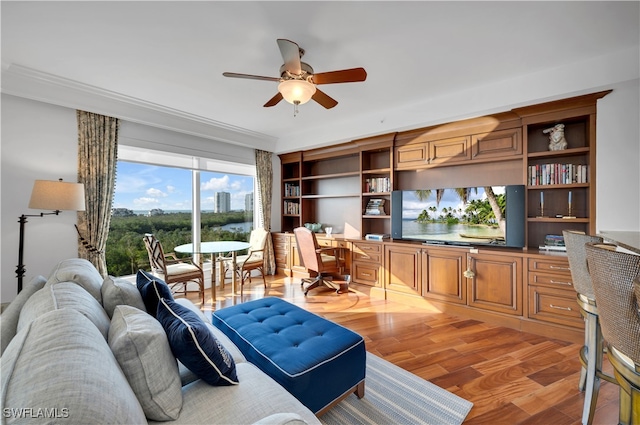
324, 262
614, 275
592, 352
253, 260
176, 273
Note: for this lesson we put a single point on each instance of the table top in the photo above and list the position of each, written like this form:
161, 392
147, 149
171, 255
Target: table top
213, 247
626, 239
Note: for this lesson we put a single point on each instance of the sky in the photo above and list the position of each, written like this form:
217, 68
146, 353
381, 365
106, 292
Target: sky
412, 207
142, 187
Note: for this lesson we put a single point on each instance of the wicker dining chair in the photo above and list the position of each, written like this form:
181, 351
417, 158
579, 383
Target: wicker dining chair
614, 274
592, 352
176, 273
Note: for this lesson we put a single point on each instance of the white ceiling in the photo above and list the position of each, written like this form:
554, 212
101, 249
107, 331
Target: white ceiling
167, 59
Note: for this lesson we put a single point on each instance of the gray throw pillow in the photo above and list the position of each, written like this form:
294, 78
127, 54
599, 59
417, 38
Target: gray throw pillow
62, 295
117, 292
81, 272
140, 345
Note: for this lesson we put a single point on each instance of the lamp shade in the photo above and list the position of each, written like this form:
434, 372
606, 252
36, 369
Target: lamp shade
296, 91
57, 195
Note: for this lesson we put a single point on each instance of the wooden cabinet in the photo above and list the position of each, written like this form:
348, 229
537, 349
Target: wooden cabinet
290, 167
281, 252
496, 284
560, 183
442, 275
528, 290
421, 154
552, 297
366, 263
376, 159
403, 268
497, 144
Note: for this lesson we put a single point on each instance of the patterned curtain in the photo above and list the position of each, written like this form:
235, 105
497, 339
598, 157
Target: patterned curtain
97, 158
264, 174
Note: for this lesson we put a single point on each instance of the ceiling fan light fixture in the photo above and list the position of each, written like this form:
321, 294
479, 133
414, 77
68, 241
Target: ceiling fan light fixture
297, 91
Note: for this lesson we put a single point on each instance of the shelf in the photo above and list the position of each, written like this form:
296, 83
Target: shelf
346, 195
377, 171
332, 176
556, 154
375, 216
376, 194
558, 186
557, 220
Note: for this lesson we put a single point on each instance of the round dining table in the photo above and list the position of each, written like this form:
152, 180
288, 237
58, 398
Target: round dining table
219, 248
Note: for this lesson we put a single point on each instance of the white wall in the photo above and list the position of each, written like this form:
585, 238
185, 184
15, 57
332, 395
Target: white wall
618, 159
39, 141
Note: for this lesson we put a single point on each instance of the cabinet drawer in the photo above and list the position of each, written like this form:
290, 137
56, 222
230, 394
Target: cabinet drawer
562, 281
559, 266
324, 242
366, 273
368, 252
554, 305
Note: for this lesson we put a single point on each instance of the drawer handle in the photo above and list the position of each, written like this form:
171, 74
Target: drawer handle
559, 268
366, 274
561, 283
560, 308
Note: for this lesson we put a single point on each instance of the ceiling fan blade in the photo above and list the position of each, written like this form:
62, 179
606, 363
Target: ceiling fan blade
323, 99
250, 77
352, 75
291, 54
274, 100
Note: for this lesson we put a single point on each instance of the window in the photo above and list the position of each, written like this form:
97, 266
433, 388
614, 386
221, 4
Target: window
178, 198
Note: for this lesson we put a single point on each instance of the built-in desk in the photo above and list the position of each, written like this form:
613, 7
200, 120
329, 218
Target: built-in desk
626, 239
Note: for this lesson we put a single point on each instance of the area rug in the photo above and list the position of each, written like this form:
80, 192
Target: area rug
395, 396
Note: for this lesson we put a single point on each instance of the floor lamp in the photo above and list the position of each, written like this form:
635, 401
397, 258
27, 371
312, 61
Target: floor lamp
49, 195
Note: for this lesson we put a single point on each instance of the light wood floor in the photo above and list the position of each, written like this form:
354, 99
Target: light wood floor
511, 377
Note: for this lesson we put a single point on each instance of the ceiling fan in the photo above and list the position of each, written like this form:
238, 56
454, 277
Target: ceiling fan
298, 82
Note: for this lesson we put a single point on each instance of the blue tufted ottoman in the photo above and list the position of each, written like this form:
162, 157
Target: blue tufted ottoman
316, 360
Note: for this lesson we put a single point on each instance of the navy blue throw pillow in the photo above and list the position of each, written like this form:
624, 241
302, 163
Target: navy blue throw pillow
152, 289
195, 345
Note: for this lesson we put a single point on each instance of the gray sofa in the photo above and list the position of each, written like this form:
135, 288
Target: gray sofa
77, 348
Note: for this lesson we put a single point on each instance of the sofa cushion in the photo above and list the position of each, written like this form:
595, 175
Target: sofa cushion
140, 345
60, 365
255, 398
10, 316
152, 288
195, 346
120, 292
81, 272
61, 295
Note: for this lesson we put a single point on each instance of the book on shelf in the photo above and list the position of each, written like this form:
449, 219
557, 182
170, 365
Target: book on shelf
377, 185
377, 236
552, 248
545, 174
375, 207
554, 240
292, 208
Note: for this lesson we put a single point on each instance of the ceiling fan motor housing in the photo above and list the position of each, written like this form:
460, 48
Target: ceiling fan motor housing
305, 67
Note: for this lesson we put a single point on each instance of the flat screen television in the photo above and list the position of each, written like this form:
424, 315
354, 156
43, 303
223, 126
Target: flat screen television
460, 216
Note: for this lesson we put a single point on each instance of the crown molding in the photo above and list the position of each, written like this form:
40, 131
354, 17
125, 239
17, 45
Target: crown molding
36, 85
